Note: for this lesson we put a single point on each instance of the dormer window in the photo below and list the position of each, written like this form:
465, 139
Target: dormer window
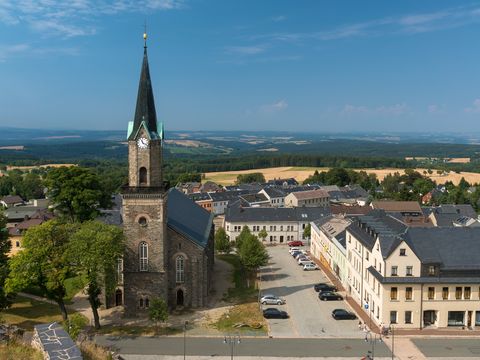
431, 270
403, 252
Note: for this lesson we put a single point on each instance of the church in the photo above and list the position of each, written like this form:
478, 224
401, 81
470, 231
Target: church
169, 239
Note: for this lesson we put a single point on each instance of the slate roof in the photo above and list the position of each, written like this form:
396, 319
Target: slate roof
422, 279
274, 192
235, 213
145, 109
55, 341
187, 218
334, 227
350, 210
453, 247
229, 195
253, 198
310, 194
446, 215
253, 187
199, 196
12, 199
281, 182
18, 213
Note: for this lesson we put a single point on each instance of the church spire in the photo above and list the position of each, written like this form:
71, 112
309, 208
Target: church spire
145, 109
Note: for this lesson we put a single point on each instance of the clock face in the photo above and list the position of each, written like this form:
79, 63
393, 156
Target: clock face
142, 143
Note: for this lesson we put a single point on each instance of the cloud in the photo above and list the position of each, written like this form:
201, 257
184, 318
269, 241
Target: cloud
475, 108
245, 50
276, 107
395, 110
407, 24
74, 17
10, 50
15, 50
436, 109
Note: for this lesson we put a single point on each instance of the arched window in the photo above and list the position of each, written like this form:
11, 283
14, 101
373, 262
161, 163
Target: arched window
142, 221
140, 303
143, 256
147, 303
180, 269
142, 174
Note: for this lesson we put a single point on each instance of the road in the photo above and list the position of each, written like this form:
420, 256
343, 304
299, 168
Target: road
254, 347
309, 317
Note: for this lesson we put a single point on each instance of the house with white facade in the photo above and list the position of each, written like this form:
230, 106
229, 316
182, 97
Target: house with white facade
414, 277
281, 224
275, 195
309, 198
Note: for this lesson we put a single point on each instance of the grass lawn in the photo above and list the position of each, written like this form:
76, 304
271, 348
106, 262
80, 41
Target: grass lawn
117, 330
17, 351
26, 313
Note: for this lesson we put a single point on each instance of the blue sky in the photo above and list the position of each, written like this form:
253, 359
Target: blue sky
320, 66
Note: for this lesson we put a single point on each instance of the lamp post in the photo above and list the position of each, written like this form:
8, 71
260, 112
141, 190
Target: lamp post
372, 339
185, 339
231, 340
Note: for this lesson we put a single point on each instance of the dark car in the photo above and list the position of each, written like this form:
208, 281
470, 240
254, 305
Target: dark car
342, 314
272, 313
295, 243
324, 287
295, 253
328, 295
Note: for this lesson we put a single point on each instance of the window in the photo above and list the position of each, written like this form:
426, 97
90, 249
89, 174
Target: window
409, 271
366, 256
147, 303
431, 270
17, 243
408, 293
142, 175
394, 270
403, 252
408, 317
393, 293
431, 293
445, 293
140, 303
143, 252
142, 221
180, 269
458, 293
466, 293
456, 318
393, 317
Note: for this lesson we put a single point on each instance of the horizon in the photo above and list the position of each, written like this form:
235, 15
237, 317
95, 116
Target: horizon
243, 66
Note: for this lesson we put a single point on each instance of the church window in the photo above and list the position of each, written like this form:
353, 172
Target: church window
143, 176
143, 256
180, 269
142, 221
147, 303
140, 303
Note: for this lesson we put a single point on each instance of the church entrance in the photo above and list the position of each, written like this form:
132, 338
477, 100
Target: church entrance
118, 297
179, 297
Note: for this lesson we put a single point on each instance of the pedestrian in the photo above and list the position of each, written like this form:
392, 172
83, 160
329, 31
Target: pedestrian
360, 325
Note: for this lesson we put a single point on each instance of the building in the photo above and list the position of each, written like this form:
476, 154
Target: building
281, 224
409, 212
11, 201
169, 239
203, 200
254, 200
453, 215
309, 198
414, 277
283, 182
328, 237
276, 196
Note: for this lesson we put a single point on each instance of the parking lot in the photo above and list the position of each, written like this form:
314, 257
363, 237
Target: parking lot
309, 317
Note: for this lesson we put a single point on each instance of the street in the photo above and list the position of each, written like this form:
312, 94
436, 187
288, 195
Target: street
309, 317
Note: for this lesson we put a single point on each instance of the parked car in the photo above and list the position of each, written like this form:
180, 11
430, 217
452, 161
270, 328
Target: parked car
293, 249
295, 253
295, 243
303, 261
310, 266
272, 313
342, 314
329, 295
272, 300
324, 287
300, 255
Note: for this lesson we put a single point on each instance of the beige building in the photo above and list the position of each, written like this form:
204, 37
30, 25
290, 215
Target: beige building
327, 244
309, 198
414, 277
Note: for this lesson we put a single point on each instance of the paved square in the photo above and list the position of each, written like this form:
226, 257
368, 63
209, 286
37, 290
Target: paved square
309, 317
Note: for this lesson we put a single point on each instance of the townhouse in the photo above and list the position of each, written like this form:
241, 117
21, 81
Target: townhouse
309, 198
414, 277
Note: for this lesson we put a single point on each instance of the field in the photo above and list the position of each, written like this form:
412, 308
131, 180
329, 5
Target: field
28, 168
301, 173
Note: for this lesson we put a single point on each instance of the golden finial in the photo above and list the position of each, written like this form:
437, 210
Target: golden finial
145, 34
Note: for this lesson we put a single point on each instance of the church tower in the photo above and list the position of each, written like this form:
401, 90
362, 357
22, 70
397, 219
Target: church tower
144, 204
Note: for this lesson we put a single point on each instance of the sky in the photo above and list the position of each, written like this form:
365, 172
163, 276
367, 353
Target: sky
298, 65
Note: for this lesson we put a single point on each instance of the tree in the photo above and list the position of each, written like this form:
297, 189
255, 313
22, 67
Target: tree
222, 243
43, 262
252, 255
77, 193
189, 177
5, 246
256, 177
307, 231
94, 249
158, 311
263, 234
244, 234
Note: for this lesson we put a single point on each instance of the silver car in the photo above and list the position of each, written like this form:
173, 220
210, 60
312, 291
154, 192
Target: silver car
272, 300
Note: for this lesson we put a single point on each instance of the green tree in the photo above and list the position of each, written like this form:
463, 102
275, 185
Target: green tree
252, 254
222, 243
31, 187
94, 249
307, 231
76, 193
43, 262
263, 234
189, 177
256, 177
244, 234
158, 311
5, 246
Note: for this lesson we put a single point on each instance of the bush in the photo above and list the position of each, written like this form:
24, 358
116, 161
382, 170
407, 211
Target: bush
75, 324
